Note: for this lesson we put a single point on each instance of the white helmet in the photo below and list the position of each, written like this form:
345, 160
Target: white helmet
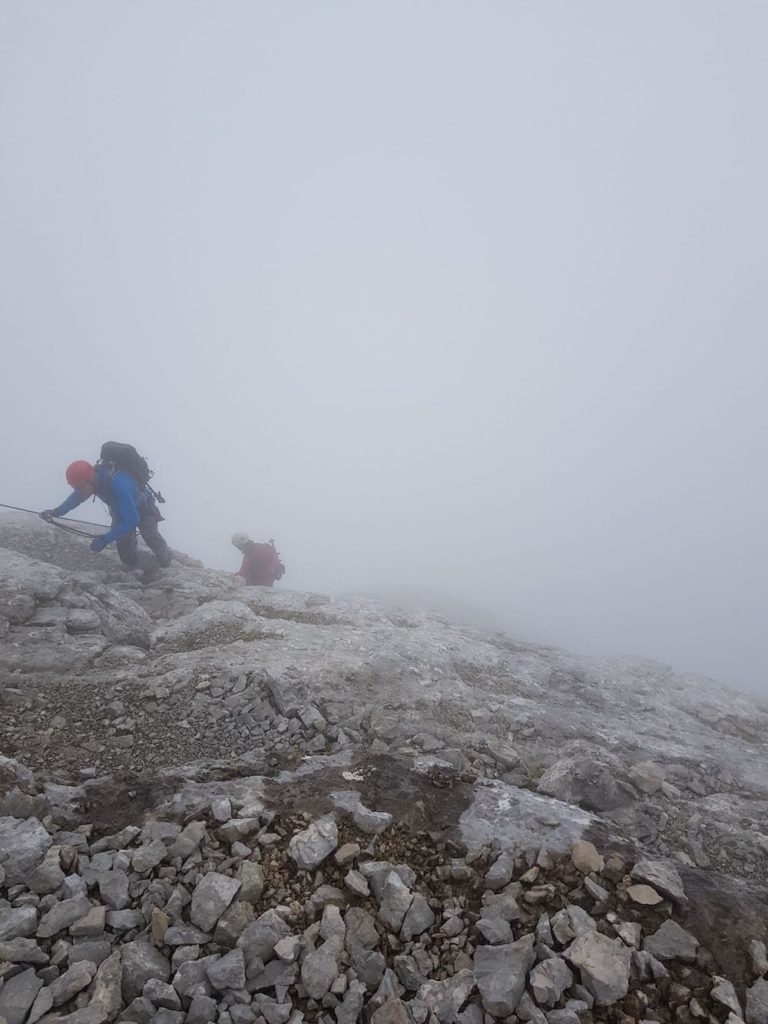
240, 539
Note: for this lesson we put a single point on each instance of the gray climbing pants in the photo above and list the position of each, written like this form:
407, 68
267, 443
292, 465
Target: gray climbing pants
128, 546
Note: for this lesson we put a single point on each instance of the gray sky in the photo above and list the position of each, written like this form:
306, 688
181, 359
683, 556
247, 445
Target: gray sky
454, 299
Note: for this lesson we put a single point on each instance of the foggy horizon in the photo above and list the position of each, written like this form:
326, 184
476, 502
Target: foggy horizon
458, 302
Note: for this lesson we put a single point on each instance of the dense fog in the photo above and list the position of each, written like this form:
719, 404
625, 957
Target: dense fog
463, 304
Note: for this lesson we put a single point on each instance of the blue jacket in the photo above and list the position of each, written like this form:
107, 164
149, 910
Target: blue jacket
125, 499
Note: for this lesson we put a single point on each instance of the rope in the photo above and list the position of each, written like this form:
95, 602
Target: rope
82, 522
61, 526
71, 529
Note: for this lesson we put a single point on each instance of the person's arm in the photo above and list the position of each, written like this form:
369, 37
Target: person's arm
124, 490
75, 499
243, 570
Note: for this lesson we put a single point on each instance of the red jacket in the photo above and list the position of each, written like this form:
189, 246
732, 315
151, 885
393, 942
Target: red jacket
261, 566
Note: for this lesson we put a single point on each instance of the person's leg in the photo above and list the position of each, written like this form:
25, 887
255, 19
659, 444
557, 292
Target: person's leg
128, 550
156, 543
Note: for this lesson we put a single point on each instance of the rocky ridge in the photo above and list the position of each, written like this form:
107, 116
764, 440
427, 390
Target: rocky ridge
290, 807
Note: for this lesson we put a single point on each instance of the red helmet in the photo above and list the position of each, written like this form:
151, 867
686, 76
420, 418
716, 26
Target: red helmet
80, 473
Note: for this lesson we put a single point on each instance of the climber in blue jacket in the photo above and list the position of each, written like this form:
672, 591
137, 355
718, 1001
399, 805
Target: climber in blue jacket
131, 506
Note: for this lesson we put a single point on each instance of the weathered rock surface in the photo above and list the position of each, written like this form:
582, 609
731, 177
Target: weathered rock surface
310, 847
603, 964
186, 834
661, 876
671, 942
501, 972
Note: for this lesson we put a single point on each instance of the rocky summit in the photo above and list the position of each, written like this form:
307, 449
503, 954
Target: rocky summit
250, 806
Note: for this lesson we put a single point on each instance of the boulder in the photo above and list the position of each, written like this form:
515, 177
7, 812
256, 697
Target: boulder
310, 847
757, 1003
141, 961
17, 923
593, 781
17, 996
62, 915
23, 844
213, 624
604, 965
445, 998
395, 902
228, 972
586, 858
549, 979
213, 894
372, 822
663, 876
319, 970
500, 974
671, 942
260, 938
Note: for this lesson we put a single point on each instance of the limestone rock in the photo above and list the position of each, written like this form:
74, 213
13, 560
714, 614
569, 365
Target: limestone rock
645, 895
17, 996
318, 971
647, 776
593, 782
42, 1004
395, 901
500, 872
372, 822
161, 994
228, 972
202, 1009
549, 979
47, 876
570, 923
191, 979
22, 951
418, 918
495, 930
310, 847
663, 876
251, 876
213, 894
757, 1003
604, 966
647, 967
392, 1012
586, 858
62, 915
759, 958
629, 932
217, 622
113, 889
72, 981
500, 974
149, 856
23, 844
724, 993
17, 922
671, 942
106, 998
140, 962
349, 1010
260, 938
361, 931
288, 949
445, 998
233, 923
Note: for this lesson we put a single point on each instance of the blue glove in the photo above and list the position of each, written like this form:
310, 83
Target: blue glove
98, 544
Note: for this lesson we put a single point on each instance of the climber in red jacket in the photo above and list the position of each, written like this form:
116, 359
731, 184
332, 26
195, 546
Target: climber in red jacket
261, 562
